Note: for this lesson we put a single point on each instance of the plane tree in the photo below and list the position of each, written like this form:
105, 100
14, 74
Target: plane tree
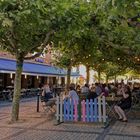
26, 27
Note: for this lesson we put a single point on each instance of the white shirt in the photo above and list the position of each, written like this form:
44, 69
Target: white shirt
73, 95
47, 89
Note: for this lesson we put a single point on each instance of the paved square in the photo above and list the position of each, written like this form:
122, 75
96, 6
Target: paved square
39, 126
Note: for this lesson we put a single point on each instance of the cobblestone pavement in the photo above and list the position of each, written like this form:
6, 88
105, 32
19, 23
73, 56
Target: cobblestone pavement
39, 126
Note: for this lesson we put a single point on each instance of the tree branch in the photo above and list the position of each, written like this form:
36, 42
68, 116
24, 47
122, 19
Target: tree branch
41, 47
34, 56
11, 43
45, 42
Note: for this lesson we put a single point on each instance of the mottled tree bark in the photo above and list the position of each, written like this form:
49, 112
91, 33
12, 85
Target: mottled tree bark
68, 77
99, 76
115, 79
17, 90
107, 77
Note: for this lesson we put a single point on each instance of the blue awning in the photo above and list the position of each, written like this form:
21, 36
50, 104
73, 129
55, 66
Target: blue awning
8, 65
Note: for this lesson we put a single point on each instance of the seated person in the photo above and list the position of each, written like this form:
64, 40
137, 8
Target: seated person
92, 94
85, 90
46, 95
98, 89
125, 103
92, 87
119, 90
46, 88
105, 91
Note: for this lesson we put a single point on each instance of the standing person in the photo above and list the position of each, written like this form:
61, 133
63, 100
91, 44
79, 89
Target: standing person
72, 93
125, 103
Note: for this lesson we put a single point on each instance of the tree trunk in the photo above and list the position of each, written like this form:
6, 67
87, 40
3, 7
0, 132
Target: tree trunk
88, 75
99, 76
115, 79
17, 90
107, 77
68, 77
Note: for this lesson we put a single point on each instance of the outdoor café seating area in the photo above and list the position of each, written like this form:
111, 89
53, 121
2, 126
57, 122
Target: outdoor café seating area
7, 94
113, 97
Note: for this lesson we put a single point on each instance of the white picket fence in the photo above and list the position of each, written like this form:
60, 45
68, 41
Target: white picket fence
84, 111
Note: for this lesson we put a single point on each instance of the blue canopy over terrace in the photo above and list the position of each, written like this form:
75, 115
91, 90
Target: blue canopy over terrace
30, 68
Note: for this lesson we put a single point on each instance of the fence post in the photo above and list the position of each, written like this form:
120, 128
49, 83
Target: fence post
61, 110
87, 110
58, 111
75, 110
57, 108
91, 110
104, 109
83, 111
79, 110
37, 107
72, 107
99, 110
105, 120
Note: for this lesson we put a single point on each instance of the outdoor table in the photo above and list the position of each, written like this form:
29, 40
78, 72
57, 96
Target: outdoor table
111, 102
113, 99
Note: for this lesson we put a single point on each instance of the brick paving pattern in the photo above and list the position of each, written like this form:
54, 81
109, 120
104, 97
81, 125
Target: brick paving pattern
40, 126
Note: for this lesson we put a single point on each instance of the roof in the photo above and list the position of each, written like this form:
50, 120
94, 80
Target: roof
9, 66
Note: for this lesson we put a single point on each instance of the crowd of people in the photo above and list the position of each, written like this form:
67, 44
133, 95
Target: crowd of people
97, 90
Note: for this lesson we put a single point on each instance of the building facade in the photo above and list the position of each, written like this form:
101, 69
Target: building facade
35, 72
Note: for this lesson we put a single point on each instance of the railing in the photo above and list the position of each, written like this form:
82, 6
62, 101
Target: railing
83, 111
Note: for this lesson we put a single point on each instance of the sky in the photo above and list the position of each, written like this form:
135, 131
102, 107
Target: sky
82, 70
